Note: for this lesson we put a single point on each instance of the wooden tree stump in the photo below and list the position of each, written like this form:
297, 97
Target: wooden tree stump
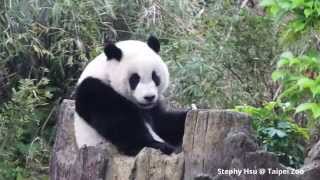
214, 140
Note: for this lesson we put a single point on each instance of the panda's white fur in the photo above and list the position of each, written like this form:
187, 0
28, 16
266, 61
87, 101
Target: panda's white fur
85, 135
136, 57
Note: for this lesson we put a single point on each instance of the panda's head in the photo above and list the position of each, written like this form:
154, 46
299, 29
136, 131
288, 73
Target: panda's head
137, 71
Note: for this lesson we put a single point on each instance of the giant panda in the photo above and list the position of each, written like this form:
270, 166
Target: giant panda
119, 98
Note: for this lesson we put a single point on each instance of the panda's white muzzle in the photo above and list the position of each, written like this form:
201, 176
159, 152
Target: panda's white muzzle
146, 95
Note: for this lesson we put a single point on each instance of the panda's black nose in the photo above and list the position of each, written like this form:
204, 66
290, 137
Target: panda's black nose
149, 98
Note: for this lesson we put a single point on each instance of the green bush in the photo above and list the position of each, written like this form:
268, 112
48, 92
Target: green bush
301, 82
21, 146
277, 132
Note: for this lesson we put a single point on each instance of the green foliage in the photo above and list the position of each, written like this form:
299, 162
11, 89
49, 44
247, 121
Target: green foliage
301, 82
277, 132
20, 144
51, 38
218, 59
301, 16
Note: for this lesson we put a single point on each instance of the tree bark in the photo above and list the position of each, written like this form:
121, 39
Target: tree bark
214, 140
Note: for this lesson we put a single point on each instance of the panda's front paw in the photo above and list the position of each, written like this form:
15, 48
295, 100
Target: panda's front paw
163, 147
167, 148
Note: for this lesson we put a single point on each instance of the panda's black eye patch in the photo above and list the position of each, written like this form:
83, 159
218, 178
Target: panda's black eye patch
134, 80
155, 78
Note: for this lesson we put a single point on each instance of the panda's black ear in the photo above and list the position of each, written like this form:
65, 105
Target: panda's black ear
154, 43
112, 51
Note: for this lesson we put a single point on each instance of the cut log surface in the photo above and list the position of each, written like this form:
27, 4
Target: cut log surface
214, 141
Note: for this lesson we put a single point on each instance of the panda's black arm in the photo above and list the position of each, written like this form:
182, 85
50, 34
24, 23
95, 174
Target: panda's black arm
169, 124
110, 114
94, 97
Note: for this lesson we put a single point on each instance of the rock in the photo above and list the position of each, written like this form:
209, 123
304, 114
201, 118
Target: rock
216, 142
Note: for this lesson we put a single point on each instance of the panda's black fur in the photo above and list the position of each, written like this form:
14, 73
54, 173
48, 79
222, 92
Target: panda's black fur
121, 121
